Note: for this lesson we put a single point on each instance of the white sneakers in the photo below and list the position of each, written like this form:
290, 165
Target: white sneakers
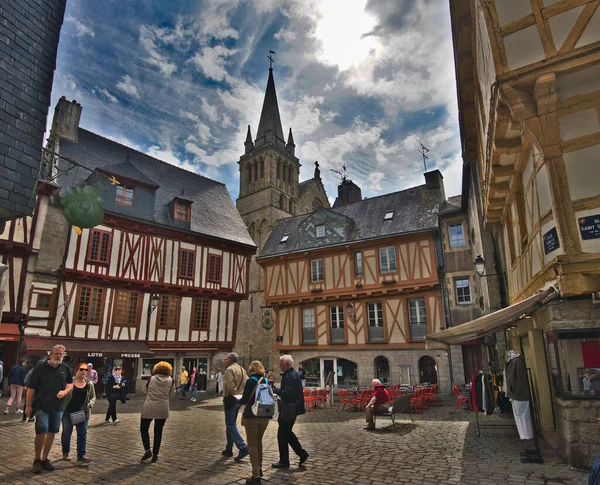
19, 411
116, 421
192, 400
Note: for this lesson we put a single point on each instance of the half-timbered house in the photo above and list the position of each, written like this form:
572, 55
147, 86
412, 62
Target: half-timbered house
355, 289
161, 277
529, 99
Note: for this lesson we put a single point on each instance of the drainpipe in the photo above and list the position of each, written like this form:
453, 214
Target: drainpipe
441, 266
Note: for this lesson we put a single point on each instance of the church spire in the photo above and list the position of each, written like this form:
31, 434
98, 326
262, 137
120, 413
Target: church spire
290, 146
248, 143
269, 127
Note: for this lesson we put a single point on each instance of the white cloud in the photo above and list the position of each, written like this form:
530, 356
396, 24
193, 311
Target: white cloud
374, 181
211, 62
149, 36
126, 85
81, 29
104, 92
209, 110
285, 35
166, 155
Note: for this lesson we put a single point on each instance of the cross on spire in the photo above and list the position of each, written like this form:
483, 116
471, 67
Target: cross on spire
271, 60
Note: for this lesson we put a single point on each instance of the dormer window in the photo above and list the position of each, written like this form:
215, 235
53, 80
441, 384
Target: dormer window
124, 195
285, 238
321, 230
389, 215
182, 211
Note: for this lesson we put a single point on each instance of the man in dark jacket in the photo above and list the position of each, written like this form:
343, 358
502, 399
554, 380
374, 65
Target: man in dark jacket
16, 380
289, 392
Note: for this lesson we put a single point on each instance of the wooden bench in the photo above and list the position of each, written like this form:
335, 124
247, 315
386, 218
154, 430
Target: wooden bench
401, 405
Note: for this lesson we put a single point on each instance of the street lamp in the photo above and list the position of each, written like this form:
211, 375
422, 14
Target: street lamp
479, 265
350, 311
153, 303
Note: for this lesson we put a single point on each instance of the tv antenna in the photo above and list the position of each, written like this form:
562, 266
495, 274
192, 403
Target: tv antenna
423, 150
340, 173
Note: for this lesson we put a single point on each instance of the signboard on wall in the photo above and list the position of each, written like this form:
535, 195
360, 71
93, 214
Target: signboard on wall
589, 227
551, 242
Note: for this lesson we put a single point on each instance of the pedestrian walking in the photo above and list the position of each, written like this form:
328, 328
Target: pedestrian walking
78, 405
271, 378
255, 426
302, 374
291, 406
156, 407
194, 385
16, 381
92, 375
219, 382
50, 382
183, 381
113, 394
234, 381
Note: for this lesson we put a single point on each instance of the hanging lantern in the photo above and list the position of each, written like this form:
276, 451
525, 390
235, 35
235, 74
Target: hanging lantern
82, 206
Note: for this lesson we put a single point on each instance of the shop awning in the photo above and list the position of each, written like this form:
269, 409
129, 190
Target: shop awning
9, 332
89, 347
490, 323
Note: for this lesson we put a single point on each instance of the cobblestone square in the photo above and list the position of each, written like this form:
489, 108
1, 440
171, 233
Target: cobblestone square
440, 447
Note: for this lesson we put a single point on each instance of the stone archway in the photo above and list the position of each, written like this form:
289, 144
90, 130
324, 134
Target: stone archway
427, 370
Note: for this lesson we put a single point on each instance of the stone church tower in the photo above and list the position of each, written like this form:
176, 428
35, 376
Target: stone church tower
270, 190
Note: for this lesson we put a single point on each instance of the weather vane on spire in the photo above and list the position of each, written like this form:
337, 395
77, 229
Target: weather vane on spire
271, 60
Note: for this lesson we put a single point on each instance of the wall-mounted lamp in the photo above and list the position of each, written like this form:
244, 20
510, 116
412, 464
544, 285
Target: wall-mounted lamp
350, 311
153, 303
480, 267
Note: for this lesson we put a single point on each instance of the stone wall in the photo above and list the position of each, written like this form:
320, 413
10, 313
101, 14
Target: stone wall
365, 359
578, 430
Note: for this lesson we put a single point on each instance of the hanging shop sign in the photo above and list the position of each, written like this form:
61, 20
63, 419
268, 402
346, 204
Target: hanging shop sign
82, 206
130, 356
95, 354
551, 242
589, 227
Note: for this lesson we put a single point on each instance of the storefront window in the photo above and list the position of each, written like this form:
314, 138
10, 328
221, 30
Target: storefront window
148, 365
574, 361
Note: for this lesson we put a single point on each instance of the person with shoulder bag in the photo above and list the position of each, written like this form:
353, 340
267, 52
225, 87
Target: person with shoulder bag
291, 406
113, 394
234, 381
255, 424
78, 407
156, 407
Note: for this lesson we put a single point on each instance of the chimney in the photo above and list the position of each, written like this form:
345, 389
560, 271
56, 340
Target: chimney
435, 181
348, 193
65, 123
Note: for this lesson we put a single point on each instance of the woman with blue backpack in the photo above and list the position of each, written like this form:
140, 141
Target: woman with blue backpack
260, 405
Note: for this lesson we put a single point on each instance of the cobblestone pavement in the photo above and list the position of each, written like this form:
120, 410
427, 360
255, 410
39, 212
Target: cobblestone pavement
440, 447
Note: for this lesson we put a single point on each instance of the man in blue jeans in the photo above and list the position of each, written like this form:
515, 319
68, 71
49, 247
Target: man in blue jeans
50, 383
234, 381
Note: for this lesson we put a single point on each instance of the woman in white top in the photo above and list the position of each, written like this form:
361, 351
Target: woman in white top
156, 407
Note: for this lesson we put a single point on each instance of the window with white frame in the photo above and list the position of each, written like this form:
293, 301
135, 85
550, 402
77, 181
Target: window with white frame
417, 315
375, 313
387, 259
457, 235
321, 230
336, 313
308, 325
358, 266
463, 291
316, 273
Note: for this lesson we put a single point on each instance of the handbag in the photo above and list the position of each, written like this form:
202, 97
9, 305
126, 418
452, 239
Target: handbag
78, 417
287, 411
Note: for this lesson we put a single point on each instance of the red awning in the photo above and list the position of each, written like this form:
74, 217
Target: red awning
9, 332
89, 347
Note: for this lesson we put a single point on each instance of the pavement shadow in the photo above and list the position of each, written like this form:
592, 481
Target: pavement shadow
402, 429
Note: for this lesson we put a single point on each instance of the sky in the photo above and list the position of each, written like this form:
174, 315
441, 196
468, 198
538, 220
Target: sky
358, 81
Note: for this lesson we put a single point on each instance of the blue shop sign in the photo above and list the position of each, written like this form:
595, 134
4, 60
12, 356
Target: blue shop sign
589, 227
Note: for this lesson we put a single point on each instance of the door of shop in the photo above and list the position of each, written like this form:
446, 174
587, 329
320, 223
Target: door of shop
428, 370
202, 367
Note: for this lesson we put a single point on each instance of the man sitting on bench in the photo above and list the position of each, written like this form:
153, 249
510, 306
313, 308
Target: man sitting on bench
380, 403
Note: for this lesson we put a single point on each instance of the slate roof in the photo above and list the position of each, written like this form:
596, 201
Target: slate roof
213, 212
452, 204
415, 210
127, 170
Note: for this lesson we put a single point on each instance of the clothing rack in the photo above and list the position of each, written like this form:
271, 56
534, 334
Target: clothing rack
527, 456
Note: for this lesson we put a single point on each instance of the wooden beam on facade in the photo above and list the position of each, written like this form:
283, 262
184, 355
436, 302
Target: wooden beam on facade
562, 7
507, 146
503, 170
580, 143
496, 38
500, 187
518, 24
543, 28
579, 26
